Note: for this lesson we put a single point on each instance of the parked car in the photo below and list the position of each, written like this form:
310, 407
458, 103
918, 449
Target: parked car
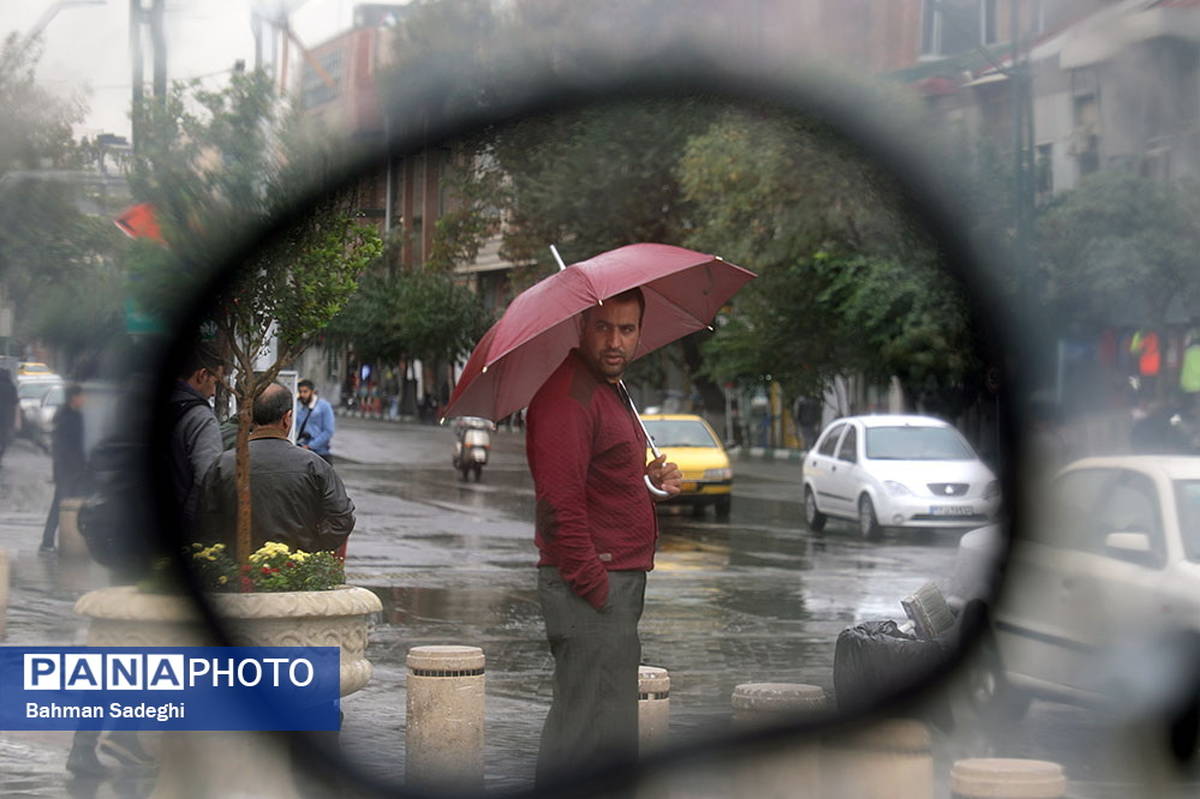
688, 441
34, 369
31, 390
41, 420
1103, 595
897, 471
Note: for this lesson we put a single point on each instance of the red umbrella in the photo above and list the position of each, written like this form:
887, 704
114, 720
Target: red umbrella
683, 289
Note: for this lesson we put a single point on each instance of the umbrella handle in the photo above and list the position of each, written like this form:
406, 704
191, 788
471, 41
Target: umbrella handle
653, 489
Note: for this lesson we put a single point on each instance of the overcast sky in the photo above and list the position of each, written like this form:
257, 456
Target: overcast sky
86, 48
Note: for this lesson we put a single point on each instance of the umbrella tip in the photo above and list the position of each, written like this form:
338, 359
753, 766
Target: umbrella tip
719, 258
599, 302
710, 328
442, 420
484, 370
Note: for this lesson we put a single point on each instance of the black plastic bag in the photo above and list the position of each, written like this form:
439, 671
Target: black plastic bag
877, 660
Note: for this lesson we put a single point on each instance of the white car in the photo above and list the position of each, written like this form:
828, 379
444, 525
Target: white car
1102, 592
31, 391
897, 471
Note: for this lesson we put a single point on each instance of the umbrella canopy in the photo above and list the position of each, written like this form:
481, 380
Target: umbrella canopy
683, 290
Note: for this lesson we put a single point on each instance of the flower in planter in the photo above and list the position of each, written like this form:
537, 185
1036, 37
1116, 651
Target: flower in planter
274, 567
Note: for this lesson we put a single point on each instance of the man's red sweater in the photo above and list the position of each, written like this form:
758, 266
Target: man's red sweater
588, 456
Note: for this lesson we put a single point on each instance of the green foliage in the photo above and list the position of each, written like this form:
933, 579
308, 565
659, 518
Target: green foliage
35, 126
595, 179
55, 262
421, 314
1121, 241
273, 568
848, 282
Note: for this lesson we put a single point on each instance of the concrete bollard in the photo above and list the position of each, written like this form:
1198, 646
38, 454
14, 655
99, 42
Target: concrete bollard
70, 541
1007, 778
444, 727
889, 760
3, 592
654, 707
778, 773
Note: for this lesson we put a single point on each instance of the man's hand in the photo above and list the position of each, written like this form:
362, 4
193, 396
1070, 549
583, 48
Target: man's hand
664, 475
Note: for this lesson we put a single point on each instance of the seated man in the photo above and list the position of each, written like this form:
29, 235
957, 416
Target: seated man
296, 497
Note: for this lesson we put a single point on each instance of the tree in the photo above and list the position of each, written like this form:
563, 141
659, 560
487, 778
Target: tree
849, 283
1121, 241
55, 262
213, 162
420, 314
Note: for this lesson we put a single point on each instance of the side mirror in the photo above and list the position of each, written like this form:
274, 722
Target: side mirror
1134, 545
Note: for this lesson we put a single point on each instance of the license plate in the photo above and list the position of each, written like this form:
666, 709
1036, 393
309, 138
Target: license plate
952, 510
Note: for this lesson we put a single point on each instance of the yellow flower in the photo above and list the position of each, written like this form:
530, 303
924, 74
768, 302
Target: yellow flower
222, 579
299, 556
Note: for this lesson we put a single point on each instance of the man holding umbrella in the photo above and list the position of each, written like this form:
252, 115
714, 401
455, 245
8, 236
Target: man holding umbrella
561, 349
596, 529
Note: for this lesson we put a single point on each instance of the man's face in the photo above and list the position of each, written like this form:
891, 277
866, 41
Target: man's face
305, 394
205, 381
610, 336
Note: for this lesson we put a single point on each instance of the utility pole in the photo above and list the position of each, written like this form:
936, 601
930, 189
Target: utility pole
158, 41
142, 19
139, 75
1023, 162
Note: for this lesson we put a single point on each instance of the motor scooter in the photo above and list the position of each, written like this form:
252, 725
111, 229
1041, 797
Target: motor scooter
472, 445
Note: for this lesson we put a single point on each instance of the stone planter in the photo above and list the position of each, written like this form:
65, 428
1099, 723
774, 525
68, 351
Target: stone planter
222, 762
125, 616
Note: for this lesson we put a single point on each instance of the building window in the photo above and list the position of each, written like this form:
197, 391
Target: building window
1044, 169
952, 27
1085, 139
314, 91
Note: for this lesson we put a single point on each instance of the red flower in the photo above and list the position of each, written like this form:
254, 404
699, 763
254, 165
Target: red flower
247, 585
265, 570
245, 568
290, 564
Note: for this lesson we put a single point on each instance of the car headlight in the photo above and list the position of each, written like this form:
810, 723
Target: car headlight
718, 474
992, 491
896, 489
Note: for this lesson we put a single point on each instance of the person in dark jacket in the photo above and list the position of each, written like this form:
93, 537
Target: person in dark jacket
195, 432
8, 408
66, 448
296, 497
595, 531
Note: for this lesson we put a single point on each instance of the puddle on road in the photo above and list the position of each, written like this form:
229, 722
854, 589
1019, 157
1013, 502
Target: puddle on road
479, 607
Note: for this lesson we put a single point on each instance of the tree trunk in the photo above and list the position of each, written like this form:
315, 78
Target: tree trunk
242, 477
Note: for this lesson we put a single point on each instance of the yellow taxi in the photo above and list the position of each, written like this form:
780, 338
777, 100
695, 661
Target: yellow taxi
33, 368
687, 440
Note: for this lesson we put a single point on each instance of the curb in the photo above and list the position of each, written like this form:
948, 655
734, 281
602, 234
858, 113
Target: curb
344, 413
765, 453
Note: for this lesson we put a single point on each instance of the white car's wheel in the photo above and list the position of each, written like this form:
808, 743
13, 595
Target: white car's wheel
813, 518
868, 523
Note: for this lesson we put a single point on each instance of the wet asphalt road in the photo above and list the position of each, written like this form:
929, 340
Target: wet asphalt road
757, 598
754, 599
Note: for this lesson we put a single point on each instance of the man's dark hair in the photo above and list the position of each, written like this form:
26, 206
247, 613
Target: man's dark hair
201, 356
306, 383
629, 295
71, 392
272, 404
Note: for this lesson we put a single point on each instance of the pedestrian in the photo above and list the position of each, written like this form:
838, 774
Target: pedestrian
66, 449
595, 531
314, 417
296, 497
196, 439
8, 409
